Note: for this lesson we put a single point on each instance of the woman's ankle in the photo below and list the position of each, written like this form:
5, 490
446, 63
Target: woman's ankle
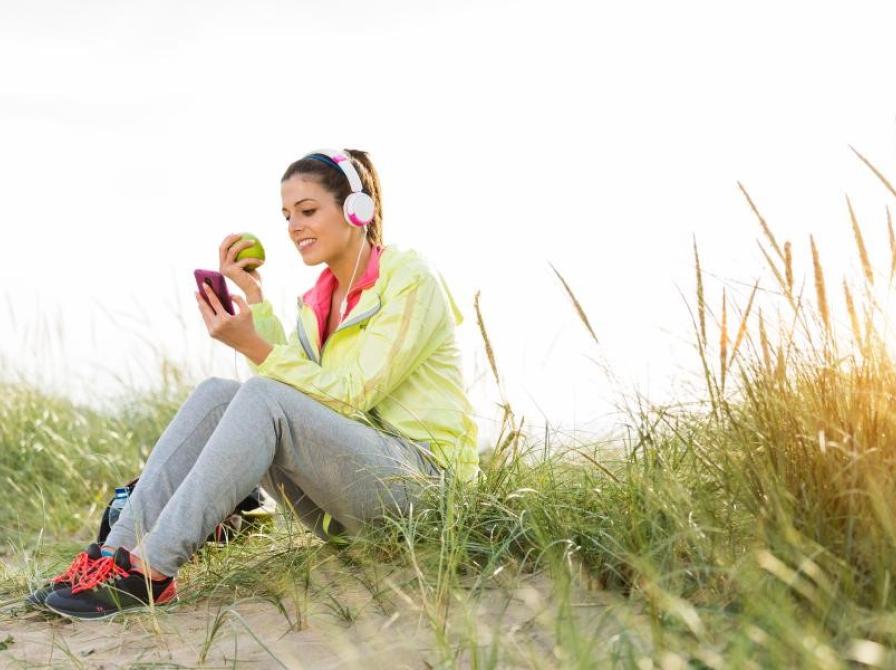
138, 565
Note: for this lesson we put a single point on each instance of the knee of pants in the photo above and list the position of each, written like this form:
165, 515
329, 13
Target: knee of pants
265, 386
217, 390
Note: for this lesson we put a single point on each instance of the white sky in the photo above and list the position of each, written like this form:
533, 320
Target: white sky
595, 136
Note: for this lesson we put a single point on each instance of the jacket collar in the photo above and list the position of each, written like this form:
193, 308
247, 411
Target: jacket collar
322, 291
319, 297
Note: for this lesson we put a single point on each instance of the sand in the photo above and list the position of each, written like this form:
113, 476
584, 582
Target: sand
351, 629
250, 634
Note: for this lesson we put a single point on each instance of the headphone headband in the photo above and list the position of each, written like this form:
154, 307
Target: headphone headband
340, 160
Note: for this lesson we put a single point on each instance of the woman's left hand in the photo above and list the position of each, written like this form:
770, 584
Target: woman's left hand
233, 330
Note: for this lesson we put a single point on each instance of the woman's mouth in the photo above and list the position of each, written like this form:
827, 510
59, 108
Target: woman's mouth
304, 244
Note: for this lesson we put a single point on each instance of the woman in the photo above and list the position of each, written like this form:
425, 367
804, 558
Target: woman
341, 422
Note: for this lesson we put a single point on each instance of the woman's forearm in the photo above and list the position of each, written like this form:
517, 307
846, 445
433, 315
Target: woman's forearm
256, 350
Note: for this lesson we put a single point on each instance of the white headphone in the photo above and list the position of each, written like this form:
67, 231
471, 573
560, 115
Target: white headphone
358, 207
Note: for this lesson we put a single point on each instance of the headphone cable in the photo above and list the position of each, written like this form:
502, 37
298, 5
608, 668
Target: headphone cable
344, 304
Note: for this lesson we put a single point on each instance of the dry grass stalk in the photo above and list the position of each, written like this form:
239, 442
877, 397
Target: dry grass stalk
503, 450
777, 273
875, 171
820, 293
892, 244
723, 338
742, 329
788, 267
869, 329
701, 303
853, 318
763, 340
860, 244
779, 364
762, 223
489, 352
575, 302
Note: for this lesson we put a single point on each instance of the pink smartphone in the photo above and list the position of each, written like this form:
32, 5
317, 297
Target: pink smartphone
219, 286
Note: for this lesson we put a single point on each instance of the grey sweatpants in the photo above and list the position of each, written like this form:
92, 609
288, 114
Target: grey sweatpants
229, 437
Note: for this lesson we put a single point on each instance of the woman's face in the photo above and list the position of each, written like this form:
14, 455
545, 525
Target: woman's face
313, 214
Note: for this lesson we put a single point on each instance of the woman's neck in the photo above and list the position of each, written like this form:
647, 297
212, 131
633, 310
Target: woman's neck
343, 266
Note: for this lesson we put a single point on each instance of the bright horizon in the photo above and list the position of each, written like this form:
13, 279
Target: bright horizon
599, 140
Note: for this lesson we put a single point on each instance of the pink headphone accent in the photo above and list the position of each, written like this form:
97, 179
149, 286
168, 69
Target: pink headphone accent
358, 208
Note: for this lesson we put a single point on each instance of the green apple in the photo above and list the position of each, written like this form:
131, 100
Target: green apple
255, 251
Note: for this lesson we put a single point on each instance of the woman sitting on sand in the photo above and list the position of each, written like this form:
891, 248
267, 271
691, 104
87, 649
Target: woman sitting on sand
342, 422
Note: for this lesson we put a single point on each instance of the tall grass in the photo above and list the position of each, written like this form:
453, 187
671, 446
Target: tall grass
755, 530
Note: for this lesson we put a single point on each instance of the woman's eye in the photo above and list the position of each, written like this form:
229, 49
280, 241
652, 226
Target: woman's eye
308, 212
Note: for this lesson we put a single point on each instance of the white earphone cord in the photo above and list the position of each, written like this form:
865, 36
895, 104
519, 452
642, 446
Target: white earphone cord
344, 304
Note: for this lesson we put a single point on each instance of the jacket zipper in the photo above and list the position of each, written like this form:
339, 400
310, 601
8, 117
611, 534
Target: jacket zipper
351, 322
303, 335
360, 317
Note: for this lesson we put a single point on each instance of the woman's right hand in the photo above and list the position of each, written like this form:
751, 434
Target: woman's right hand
249, 282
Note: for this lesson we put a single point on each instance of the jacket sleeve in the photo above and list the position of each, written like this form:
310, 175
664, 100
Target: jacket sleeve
413, 322
267, 325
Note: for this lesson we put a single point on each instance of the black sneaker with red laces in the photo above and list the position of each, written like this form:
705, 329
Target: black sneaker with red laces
81, 564
111, 586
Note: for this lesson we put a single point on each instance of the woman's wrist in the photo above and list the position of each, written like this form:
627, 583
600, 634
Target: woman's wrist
256, 350
254, 297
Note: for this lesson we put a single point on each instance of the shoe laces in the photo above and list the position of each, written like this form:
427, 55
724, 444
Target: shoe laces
103, 570
78, 566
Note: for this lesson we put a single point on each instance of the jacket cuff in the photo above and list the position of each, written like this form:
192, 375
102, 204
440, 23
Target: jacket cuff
263, 308
277, 354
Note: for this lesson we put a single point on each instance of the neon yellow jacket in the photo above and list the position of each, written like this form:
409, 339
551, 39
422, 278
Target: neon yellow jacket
393, 363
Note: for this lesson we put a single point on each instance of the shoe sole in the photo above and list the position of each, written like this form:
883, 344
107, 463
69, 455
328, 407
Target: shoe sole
36, 605
86, 616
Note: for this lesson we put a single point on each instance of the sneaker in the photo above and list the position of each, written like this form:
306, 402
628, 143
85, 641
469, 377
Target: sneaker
82, 563
110, 587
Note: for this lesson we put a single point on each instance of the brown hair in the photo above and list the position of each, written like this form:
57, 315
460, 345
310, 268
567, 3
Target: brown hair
334, 181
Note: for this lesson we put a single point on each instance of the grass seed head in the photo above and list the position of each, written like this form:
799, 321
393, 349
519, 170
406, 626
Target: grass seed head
860, 244
892, 245
762, 223
853, 318
742, 328
788, 268
701, 304
820, 293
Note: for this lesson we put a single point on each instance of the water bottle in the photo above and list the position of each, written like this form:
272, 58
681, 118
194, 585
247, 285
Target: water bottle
118, 503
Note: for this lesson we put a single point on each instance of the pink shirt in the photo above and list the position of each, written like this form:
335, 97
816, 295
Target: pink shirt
320, 296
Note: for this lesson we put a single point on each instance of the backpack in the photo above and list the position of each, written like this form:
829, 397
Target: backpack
224, 532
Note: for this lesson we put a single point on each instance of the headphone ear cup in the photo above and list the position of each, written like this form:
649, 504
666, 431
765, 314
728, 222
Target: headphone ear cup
358, 209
